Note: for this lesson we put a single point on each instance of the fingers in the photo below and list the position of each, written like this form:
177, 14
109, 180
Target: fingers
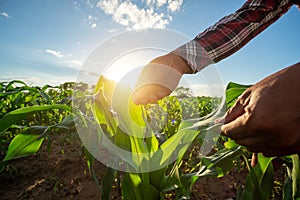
238, 108
155, 82
149, 94
235, 129
236, 117
234, 112
234, 121
254, 159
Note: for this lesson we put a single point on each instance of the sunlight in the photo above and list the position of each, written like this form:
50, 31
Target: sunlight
126, 68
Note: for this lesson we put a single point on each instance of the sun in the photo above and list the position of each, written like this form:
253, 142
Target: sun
127, 67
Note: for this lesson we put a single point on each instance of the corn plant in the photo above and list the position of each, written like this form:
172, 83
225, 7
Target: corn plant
259, 182
29, 114
163, 164
142, 179
157, 184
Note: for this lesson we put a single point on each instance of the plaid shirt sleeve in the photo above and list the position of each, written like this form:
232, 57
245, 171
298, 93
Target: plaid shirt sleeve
232, 32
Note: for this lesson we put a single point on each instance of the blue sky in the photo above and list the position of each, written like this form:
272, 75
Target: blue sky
46, 41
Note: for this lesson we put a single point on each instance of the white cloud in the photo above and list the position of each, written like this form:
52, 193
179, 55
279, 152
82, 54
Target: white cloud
113, 30
161, 3
175, 5
65, 59
142, 15
74, 63
54, 53
92, 21
94, 25
5, 14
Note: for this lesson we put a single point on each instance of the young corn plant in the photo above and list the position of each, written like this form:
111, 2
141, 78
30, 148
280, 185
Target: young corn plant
260, 180
165, 145
29, 114
158, 164
176, 136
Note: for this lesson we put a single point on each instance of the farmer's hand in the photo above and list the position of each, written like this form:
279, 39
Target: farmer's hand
159, 78
266, 118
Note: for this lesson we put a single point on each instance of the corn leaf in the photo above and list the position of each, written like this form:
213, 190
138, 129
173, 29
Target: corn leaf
107, 183
21, 113
233, 91
174, 147
296, 176
23, 144
266, 174
259, 182
130, 187
219, 163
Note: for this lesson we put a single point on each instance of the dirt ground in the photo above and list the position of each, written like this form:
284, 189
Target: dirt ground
63, 174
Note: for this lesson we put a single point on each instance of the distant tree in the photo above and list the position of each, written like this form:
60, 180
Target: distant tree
182, 92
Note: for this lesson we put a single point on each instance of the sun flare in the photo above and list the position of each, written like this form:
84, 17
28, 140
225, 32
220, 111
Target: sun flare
126, 68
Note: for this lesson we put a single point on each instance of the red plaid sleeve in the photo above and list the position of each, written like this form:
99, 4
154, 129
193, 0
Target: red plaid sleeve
234, 31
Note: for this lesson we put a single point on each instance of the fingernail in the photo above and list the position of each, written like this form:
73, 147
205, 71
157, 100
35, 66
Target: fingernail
220, 120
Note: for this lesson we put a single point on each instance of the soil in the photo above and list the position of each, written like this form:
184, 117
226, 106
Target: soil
63, 174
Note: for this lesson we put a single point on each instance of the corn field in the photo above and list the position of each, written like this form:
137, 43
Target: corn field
30, 115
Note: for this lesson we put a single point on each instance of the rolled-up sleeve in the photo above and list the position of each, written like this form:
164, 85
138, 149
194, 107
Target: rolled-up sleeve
232, 32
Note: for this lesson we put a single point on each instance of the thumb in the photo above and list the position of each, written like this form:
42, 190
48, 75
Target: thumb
235, 128
234, 112
233, 120
238, 108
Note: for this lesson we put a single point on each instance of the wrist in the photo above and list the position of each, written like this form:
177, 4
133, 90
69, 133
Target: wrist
180, 64
195, 55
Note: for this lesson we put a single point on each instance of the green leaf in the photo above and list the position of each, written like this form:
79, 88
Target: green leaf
233, 91
185, 186
46, 97
267, 176
252, 190
259, 182
130, 184
129, 116
107, 183
90, 160
291, 185
21, 113
220, 163
147, 189
296, 176
152, 143
122, 140
156, 178
230, 144
23, 144
137, 186
67, 122
174, 148
288, 185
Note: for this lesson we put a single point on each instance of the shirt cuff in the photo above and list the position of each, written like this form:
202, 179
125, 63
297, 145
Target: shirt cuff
195, 55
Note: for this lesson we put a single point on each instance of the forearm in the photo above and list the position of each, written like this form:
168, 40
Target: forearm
232, 32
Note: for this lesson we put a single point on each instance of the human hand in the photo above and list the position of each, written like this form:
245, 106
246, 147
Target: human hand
159, 78
266, 117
